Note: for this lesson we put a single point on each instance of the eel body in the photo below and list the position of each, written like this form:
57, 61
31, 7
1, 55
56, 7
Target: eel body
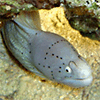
46, 54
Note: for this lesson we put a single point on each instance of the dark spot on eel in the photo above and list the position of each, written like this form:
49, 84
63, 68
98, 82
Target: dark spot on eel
59, 71
29, 43
48, 66
38, 63
61, 58
57, 56
63, 63
45, 58
60, 67
43, 65
35, 33
52, 54
46, 53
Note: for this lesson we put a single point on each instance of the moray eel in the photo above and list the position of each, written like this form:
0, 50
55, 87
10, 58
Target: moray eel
45, 54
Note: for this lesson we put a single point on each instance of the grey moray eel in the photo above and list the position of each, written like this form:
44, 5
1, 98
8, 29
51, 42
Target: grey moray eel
44, 53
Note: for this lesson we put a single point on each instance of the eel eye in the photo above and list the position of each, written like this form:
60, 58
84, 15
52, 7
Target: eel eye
68, 69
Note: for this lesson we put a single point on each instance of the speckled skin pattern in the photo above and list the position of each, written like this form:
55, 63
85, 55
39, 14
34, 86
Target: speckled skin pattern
46, 54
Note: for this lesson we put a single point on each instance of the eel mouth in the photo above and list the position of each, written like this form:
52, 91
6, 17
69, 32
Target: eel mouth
78, 82
83, 78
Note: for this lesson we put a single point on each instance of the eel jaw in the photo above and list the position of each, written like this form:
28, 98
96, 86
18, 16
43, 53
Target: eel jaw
79, 82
